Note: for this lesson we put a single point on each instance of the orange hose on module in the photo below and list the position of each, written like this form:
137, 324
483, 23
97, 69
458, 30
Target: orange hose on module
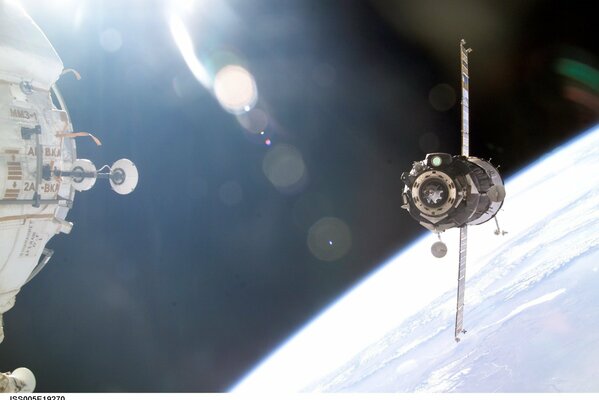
80, 134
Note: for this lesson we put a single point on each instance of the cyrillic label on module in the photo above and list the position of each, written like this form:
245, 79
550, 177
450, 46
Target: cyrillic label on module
44, 187
23, 114
46, 152
33, 241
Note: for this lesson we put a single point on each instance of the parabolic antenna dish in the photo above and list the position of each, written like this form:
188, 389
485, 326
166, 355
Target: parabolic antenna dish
123, 176
26, 378
83, 175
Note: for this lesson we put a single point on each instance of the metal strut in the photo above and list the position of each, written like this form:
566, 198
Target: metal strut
499, 231
459, 317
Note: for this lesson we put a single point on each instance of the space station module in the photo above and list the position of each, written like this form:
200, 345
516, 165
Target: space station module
39, 168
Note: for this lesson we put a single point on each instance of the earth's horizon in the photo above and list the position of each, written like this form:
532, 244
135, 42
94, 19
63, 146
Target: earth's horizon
531, 309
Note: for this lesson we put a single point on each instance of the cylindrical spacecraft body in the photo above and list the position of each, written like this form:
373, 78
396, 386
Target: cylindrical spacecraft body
33, 202
444, 191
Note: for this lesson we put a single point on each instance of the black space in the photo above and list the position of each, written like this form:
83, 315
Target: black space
172, 288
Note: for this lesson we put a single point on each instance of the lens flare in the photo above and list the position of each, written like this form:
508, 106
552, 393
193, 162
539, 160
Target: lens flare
235, 89
254, 121
284, 166
442, 97
111, 40
230, 193
186, 47
329, 239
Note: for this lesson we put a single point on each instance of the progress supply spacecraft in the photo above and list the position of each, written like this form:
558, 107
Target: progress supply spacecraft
445, 191
39, 168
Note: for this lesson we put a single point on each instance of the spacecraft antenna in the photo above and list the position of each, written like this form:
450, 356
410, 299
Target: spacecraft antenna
439, 249
122, 175
21, 380
83, 175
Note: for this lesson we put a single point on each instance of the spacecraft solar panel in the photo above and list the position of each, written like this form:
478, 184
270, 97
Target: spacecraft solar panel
459, 317
465, 96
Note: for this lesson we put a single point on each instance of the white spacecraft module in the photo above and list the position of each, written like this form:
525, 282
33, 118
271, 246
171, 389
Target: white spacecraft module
39, 169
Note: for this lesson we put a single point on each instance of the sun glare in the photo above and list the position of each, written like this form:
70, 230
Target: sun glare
186, 47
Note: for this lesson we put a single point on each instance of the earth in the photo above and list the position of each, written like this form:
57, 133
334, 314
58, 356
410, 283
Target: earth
531, 306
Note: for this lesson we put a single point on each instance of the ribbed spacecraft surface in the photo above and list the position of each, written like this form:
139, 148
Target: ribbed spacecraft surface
39, 168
